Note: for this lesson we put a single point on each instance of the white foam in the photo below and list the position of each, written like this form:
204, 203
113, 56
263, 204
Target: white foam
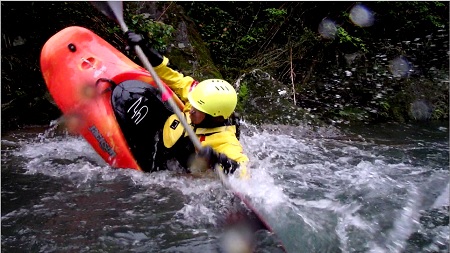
443, 198
328, 185
405, 223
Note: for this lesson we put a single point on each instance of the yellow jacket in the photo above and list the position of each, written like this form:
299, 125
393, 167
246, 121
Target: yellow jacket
222, 139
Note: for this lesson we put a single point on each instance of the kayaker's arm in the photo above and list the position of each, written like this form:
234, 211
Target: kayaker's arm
153, 56
179, 83
228, 165
213, 158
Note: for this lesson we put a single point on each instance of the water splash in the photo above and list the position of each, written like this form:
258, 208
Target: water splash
52, 130
323, 194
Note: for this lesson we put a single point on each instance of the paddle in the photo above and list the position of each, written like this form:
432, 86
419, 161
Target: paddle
114, 10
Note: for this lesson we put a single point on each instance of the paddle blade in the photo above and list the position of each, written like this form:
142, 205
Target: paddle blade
113, 10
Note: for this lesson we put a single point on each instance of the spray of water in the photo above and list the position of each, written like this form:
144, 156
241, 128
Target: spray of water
320, 194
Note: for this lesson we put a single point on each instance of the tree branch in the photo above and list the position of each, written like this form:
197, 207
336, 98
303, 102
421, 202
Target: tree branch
292, 75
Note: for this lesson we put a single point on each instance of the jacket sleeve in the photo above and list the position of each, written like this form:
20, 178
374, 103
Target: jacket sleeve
179, 83
225, 143
238, 161
231, 165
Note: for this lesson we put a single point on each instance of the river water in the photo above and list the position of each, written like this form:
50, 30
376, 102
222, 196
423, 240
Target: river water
381, 188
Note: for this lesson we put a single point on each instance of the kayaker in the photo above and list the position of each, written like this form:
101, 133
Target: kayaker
209, 109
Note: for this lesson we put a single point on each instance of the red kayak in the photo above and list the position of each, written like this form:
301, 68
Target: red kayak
82, 72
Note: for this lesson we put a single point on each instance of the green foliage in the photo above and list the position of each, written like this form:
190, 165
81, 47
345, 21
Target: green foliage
411, 18
276, 15
234, 34
243, 96
345, 37
273, 36
268, 35
159, 34
425, 9
353, 114
439, 114
385, 107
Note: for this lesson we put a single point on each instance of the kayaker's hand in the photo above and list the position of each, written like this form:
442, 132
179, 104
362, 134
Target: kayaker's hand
134, 39
212, 158
228, 165
209, 155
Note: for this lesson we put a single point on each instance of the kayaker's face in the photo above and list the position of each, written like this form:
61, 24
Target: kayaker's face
196, 116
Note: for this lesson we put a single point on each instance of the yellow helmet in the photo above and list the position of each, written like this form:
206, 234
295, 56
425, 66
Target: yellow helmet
215, 97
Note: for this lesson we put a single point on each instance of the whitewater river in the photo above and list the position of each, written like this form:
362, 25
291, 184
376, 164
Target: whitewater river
382, 188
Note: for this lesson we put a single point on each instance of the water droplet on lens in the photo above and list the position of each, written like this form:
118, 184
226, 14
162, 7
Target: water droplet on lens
361, 16
399, 67
327, 29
